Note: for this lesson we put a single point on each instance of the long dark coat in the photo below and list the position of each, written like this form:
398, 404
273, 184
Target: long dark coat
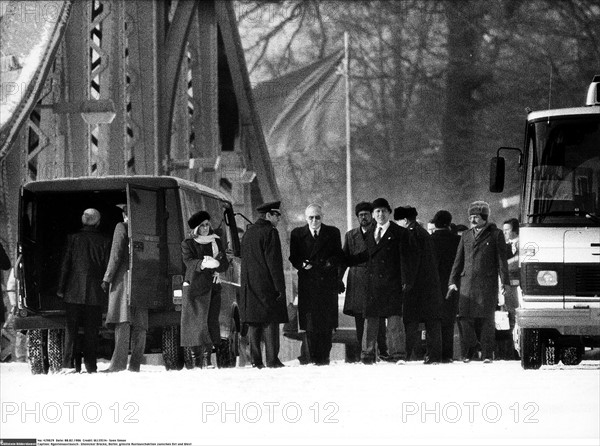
262, 278
445, 244
83, 266
200, 310
318, 286
479, 261
357, 283
424, 300
389, 268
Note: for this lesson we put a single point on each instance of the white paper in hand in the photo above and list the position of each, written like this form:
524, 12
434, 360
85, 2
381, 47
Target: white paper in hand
210, 262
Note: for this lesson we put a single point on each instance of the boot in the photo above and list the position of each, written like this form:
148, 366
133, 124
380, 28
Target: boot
197, 356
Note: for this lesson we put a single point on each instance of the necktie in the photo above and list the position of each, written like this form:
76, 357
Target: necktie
378, 235
316, 235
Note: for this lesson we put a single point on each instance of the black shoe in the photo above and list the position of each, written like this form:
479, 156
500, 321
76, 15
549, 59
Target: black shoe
303, 360
368, 361
258, 366
430, 361
276, 365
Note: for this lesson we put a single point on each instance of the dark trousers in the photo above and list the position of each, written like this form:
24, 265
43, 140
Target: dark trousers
447, 342
474, 331
433, 339
90, 318
319, 345
269, 332
381, 334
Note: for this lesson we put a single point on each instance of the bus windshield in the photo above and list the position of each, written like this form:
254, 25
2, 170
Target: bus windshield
563, 169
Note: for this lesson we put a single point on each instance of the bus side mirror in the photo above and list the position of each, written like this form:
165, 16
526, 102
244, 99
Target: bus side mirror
497, 174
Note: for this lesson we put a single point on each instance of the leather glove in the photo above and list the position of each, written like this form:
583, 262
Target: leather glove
105, 286
280, 297
406, 288
341, 287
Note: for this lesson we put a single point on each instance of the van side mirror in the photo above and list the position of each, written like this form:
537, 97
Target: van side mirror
497, 167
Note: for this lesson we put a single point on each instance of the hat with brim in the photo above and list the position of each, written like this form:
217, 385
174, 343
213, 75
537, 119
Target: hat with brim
381, 203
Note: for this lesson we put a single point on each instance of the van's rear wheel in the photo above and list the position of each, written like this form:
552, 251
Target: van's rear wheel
55, 349
572, 355
170, 347
531, 348
36, 349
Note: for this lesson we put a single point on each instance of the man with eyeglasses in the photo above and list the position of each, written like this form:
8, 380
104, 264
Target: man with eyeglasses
263, 299
316, 252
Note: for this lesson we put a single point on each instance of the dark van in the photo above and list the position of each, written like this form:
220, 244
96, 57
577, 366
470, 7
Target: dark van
159, 208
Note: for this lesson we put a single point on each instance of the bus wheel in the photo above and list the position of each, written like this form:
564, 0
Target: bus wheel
37, 358
55, 349
170, 347
531, 348
571, 355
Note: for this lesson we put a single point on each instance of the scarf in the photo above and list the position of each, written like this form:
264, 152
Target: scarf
205, 239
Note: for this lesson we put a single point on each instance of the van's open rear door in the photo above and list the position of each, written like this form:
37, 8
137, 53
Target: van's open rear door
146, 285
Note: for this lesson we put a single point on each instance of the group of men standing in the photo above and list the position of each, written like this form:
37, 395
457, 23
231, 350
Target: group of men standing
399, 277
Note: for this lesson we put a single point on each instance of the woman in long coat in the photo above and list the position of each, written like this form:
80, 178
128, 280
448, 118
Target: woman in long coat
204, 258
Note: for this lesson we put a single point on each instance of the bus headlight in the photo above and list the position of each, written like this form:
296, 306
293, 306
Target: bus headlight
547, 278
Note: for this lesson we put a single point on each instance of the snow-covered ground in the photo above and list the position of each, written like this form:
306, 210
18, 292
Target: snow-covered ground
455, 403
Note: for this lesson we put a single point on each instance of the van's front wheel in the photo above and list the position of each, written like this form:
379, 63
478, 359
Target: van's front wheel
531, 348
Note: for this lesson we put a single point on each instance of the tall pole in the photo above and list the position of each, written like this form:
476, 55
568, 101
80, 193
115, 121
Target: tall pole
348, 158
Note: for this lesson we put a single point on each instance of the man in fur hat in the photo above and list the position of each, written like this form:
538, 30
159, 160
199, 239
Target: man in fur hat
480, 259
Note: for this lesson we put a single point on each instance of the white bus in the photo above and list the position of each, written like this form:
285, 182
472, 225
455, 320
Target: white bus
559, 239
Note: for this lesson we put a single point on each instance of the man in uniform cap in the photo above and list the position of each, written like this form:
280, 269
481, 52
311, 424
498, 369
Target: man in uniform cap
263, 299
480, 259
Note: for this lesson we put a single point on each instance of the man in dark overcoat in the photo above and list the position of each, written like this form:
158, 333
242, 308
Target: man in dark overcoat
316, 252
357, 282
480, 259
390, 275
445, 244
263, 299
83, 267
423, 302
